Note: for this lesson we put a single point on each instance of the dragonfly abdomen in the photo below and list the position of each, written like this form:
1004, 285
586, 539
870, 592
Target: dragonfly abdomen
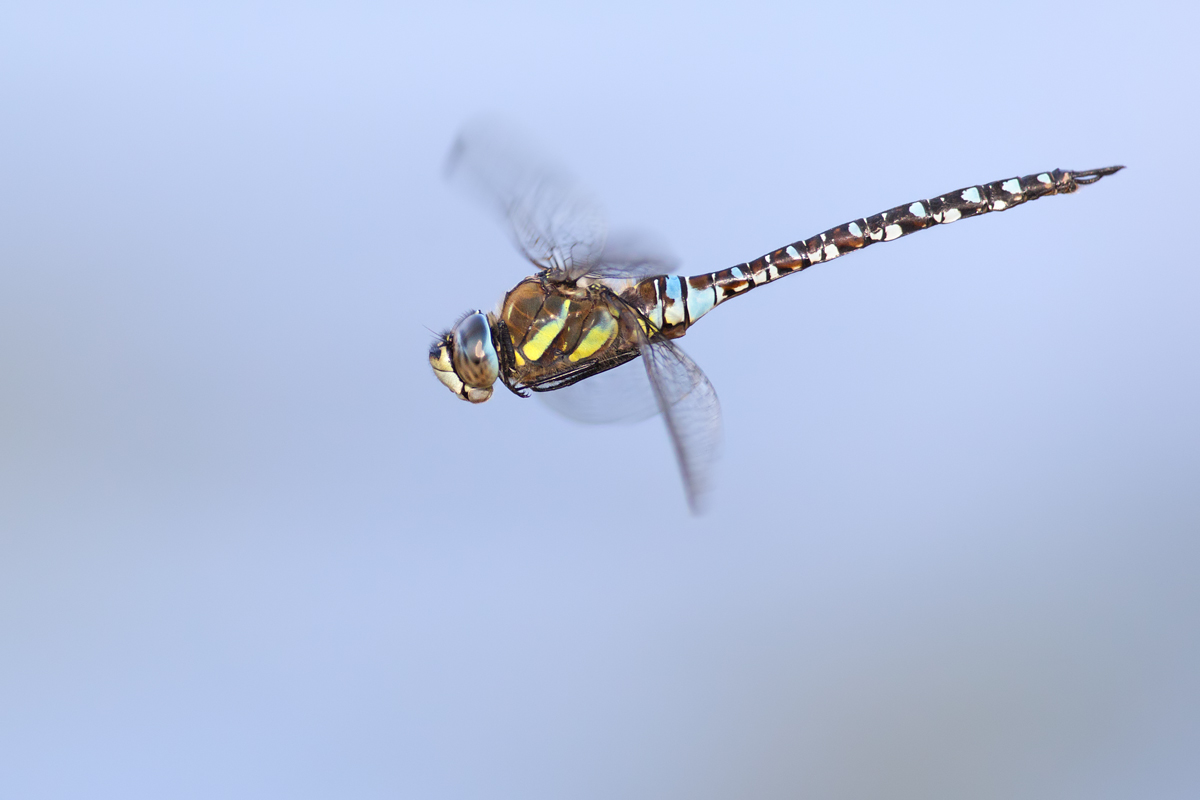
676, 303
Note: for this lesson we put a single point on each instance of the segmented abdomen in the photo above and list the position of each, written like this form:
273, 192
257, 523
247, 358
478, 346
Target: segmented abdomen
672, 303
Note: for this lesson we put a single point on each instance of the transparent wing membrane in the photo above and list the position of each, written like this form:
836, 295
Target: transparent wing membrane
634, 254
621, 395
667, 382
557, 225
690, 409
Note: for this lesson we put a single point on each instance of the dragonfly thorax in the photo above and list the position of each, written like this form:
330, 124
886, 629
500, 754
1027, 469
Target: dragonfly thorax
465, 359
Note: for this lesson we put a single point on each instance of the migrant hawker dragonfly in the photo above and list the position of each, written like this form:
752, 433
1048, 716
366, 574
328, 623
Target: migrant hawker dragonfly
596, 303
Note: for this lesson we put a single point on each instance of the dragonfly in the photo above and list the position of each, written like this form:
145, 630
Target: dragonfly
599, 300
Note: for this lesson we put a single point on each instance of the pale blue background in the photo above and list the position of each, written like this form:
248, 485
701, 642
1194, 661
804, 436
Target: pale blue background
250, 548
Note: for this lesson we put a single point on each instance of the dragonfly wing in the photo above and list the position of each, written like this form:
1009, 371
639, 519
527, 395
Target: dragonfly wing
557, 225
633, 254
621, 394
690, 409
668, 382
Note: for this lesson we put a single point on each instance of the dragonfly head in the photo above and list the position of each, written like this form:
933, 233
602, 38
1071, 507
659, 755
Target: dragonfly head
465, 358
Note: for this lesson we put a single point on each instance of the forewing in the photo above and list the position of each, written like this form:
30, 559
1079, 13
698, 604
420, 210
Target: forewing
633, 254
621, 394
555, 223
690, 410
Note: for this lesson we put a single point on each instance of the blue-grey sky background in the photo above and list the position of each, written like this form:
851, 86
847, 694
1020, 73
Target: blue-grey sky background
249, 547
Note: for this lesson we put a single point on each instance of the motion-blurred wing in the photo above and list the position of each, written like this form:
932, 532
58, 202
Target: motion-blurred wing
554, 222
690, 409
633, 254
622, 394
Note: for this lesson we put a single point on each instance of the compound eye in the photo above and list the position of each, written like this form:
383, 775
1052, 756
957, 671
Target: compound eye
474, 355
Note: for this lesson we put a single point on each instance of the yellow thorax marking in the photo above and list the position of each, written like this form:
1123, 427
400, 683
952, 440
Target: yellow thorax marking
547, 325
601, 328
